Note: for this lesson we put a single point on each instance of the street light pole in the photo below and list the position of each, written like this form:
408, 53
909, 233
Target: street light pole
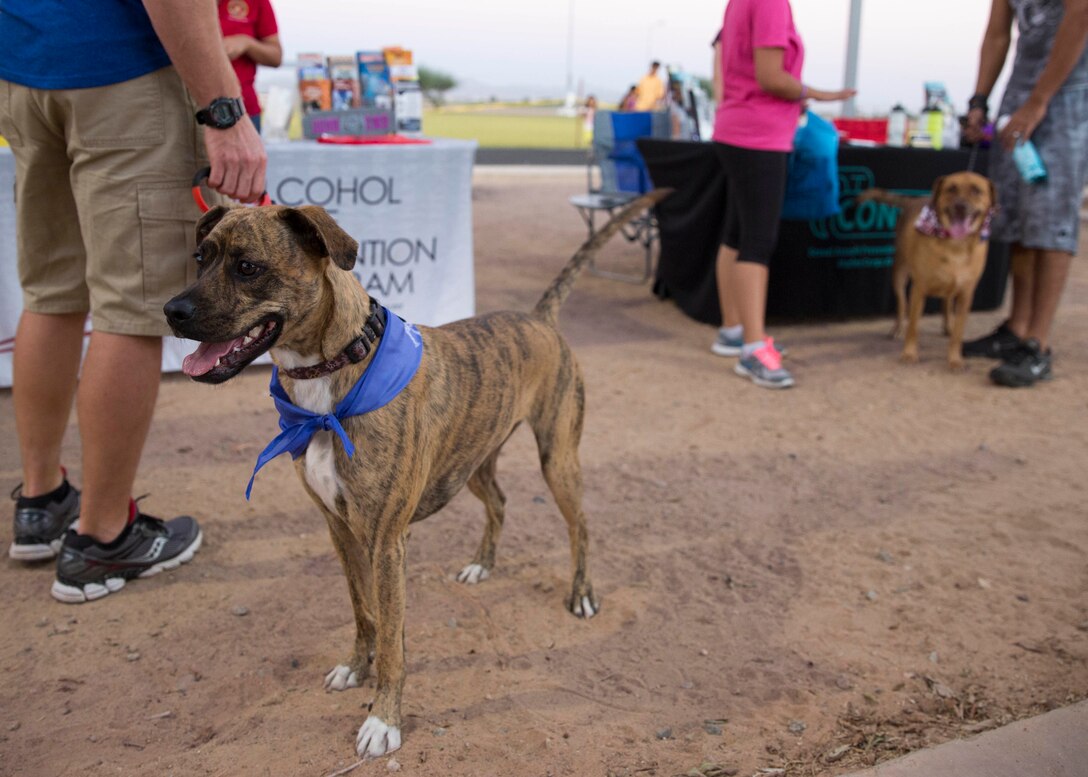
570, 48
850, 78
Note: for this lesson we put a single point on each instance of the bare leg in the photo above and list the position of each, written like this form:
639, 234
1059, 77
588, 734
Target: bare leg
115, 399
727, 298
1051, 272
749, 281
1023, 289
46, 366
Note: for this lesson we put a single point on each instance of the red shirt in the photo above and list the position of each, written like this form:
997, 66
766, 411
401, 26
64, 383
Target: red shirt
256, 19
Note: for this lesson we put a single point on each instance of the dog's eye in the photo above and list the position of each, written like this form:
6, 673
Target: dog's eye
248, 269
199, 258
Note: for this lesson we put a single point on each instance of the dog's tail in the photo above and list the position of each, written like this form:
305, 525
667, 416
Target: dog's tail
549, 304
887, 197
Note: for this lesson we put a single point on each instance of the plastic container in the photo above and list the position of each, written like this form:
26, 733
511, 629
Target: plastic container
1025, 156
897, 127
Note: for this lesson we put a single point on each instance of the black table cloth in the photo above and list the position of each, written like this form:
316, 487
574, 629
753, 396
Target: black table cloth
831, 268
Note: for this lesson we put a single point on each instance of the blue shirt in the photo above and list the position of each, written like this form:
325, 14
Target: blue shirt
75, 44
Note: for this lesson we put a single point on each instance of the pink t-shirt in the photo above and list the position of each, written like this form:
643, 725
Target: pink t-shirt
747, 116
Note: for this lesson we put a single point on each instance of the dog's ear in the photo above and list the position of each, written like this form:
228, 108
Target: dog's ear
208, 221
937, 186
320, 235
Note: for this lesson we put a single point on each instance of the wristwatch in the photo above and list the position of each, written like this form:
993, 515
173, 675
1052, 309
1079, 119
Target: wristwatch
221, 113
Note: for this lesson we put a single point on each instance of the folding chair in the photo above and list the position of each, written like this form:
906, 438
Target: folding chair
616, 174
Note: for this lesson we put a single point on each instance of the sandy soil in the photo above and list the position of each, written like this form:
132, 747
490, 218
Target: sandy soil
882, 558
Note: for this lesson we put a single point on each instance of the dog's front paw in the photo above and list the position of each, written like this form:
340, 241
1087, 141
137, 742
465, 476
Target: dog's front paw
341, 678
376, 738
583, 604
909, 357
473, 574
956, 365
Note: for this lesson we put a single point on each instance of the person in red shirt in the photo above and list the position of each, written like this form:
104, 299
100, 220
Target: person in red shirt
251, 38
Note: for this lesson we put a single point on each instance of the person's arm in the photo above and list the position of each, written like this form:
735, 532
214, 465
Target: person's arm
995, 48
716, 77
1065, 52
774, 80
266, 51
190, 33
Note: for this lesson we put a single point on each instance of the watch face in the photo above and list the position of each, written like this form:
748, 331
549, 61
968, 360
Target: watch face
222, 113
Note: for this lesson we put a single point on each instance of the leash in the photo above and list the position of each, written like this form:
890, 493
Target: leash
198, 196
973, 158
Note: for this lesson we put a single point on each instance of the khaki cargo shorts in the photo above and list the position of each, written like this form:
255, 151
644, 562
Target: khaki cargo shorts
105, 218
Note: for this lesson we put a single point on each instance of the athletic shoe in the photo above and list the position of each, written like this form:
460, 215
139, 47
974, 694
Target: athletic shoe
728, 346
764, 367
38, 531
88, 570
999, 344
1025, 366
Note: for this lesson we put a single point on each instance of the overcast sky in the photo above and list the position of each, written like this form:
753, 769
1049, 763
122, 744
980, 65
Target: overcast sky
506, 43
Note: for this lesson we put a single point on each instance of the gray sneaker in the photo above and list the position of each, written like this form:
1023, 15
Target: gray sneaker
1024, 367
764, 367
38, 531
88, 570
724, 345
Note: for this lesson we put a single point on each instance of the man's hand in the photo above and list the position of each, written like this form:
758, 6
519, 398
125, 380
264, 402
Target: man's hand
973, 129
1022, 123
238, 161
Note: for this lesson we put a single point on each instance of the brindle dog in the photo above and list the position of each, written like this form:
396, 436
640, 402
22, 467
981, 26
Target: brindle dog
276, 279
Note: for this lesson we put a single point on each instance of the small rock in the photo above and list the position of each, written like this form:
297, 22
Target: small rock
885, 556
240, 610
797, 727
934, 657
295, 663
392, 765
14, 726
92, 738
843, 683
1083, 626
539, 500
704, 652
983, 447
872, 596
985, 584
1023, 597
133, 656
713, 729
687, 685
438, 731
42, 623
665, 733
834, 755
1021, 460
452, 623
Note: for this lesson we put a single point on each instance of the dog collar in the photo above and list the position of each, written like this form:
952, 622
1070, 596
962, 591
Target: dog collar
395, 363
930, 225
355, 351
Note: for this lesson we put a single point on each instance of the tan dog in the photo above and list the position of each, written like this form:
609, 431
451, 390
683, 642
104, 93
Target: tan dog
276, 278
946, 262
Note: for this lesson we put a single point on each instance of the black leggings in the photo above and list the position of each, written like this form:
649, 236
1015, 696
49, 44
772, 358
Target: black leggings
756, 182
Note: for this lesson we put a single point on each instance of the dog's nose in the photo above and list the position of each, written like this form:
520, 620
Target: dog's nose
179, 310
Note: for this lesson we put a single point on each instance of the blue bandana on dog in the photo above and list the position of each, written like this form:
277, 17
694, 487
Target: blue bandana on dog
392, 368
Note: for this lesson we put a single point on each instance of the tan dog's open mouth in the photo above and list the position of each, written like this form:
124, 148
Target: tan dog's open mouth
217, 362
962, 220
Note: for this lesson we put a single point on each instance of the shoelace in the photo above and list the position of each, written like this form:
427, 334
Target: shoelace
768, 355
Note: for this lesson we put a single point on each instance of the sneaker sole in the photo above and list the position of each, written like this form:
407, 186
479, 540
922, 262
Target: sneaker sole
725, 350
73, 594
770, 384
35, 552
1019, 383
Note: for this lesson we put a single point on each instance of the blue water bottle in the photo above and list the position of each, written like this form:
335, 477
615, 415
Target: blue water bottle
1026, 157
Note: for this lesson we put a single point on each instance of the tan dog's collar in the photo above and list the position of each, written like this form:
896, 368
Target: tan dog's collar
355, 351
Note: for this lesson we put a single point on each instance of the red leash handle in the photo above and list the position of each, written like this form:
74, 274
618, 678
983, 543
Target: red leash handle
198, 196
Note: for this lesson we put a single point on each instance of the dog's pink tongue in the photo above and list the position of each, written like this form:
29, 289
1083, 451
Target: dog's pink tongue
960, 229
205, 356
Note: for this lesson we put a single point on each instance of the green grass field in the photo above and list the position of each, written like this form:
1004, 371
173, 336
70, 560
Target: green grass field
508, 127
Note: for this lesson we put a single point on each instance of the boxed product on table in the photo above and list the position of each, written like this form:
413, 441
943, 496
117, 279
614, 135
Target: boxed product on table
399, 62
314, 86
344, 78
375, 83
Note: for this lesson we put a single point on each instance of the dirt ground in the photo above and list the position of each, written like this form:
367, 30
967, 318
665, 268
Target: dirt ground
795, 583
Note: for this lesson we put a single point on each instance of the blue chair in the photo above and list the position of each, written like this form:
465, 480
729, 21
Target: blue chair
617, 174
